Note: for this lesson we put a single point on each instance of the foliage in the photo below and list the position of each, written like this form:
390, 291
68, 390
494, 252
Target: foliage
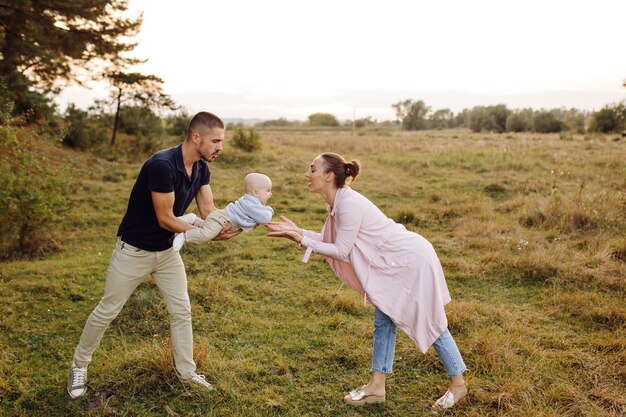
323, 119
520, 121
28, 106
76, 132
247, 139
490, 118
140, 121
461, 119
441, 119
144, 126
412, 114
281, 122
609, 119
573, 119
33, 196
546, 122
364, 122
6, 104
44, 43
176, 124
137, 90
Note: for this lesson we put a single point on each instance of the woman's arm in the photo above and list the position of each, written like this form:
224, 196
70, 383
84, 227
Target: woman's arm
311, 234
347, 224
286, 228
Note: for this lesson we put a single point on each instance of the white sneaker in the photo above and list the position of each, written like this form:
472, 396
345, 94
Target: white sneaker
189, 218
198, 381
77, 381
179, 241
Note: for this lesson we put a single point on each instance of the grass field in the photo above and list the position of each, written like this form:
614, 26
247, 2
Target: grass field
530, 229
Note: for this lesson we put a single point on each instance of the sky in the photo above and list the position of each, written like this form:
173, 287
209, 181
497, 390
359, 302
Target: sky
288, 59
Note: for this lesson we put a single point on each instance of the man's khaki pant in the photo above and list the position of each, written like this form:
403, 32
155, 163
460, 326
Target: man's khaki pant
127, 269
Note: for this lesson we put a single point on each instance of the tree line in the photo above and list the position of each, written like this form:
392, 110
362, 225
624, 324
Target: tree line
416, 115
46, 45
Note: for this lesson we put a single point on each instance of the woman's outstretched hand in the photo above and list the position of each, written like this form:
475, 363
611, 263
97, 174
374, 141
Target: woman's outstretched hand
286, 228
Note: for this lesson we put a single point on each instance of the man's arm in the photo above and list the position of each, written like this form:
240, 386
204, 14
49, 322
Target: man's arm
204, 201
164, 208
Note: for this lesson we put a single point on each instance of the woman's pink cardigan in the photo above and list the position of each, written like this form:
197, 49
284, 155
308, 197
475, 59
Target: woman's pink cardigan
396, 269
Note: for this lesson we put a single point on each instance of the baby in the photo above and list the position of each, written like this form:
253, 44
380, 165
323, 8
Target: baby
245, 213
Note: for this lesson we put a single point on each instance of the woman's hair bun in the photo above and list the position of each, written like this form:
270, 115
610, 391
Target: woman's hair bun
352, 169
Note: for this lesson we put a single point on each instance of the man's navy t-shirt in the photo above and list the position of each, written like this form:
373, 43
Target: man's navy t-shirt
163, 172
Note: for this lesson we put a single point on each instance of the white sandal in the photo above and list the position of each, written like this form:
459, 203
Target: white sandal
358, 397
447, 401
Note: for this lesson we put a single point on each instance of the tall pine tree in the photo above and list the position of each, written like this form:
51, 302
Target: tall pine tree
46, 43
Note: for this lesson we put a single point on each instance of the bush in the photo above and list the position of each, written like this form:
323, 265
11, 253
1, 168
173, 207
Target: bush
76, 132
140, 121
519, 121
247, 139
6, 104
28, 104
609, 119
282, 122
176, 125
490, 119
323, 119
573, 119
413, 114
33, 196
546, 122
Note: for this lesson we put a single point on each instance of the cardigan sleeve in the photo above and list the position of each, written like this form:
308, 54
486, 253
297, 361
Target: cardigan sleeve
347, 223
311, 234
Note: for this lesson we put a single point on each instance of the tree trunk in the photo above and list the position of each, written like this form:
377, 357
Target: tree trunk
22, 237
117, 116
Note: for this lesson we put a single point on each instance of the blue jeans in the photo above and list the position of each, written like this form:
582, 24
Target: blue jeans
385, 344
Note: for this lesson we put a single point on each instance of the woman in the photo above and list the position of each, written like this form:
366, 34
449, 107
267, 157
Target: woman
397, 270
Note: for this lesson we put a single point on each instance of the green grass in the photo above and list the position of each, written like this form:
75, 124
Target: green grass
530, 230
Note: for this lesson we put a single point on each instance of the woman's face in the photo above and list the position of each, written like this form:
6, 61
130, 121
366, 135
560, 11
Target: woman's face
317, 176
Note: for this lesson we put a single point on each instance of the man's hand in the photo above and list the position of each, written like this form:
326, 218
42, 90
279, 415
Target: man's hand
227, 233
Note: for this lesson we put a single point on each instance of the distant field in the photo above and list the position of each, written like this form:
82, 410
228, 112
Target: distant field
531, 231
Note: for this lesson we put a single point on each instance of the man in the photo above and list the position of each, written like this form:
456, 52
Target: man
167, 183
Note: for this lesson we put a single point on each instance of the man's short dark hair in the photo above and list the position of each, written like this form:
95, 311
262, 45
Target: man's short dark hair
205, 120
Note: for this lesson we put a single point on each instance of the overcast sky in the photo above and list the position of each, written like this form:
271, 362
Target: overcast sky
270, 59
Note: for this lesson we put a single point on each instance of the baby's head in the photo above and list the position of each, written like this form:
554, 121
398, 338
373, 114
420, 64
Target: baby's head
258, 185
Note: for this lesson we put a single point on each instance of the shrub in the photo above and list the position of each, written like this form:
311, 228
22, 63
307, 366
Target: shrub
413, 114
323, 119
282, 122
546, 122
176, 124
573, 119
76, 132
6, 104
490, 119
247, 139
609, 119
140, 121
33, 196
441, 119
519, 121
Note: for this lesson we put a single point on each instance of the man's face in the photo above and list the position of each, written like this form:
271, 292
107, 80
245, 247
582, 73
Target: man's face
210, 143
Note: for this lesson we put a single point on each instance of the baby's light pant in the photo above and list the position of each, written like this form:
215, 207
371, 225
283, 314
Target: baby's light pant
209, 228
